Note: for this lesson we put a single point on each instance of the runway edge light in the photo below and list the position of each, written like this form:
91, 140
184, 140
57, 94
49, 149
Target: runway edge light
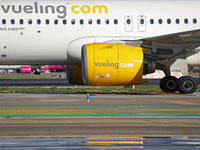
88, 97
13, 89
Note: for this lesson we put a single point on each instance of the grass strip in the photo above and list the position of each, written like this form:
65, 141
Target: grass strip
139, 88
151, 88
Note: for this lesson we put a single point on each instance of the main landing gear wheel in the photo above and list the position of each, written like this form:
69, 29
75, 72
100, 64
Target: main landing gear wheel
37, 73
187, 84
169, 84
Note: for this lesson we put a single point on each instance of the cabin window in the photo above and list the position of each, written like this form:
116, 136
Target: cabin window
128, 21
141, 21
64, 21
115, 21
90, 21
47, 21
186, 21
177, 21
195, 21
38, 21
169, 21
4, 21
151, 21
56, 21
81, 21
21, 21
107, 21
12, 21
73, 21
160, 21
30, 21
98, 21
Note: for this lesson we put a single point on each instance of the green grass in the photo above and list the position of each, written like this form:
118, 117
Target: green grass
138, 89
148, 88
80, 90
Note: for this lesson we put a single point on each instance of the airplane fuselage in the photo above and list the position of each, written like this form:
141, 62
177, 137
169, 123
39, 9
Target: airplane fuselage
53, 32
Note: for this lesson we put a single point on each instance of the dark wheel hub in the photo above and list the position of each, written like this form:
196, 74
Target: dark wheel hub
171, 84
188, 85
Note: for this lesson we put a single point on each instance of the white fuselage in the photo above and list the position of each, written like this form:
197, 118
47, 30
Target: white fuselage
60, 43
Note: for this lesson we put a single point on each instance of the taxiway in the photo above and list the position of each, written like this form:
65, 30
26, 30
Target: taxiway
70, 115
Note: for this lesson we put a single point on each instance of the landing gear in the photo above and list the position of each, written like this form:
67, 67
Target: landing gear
187, 84
184, 84
37, 72
169, 84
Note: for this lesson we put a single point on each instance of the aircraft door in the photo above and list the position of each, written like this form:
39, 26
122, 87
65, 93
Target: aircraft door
142, 23
128, 21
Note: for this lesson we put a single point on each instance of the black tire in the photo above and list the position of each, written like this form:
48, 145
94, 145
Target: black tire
187, 85
169, 84
37, 73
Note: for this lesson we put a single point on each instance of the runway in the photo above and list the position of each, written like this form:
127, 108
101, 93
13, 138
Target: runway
108, 121
69, 115
108, 143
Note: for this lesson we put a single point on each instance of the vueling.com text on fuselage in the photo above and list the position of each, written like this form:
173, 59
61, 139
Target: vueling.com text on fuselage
61, 10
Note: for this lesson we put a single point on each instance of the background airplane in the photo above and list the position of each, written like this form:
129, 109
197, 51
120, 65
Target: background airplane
29, 69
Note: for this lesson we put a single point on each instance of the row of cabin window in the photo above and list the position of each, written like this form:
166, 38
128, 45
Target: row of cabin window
169, 21
160, 21
107, 21
47, 21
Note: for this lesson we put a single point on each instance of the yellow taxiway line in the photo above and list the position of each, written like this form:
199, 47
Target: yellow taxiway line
182, 103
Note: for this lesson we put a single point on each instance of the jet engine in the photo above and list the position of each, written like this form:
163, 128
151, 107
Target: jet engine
114, 64
24, 69
74, 74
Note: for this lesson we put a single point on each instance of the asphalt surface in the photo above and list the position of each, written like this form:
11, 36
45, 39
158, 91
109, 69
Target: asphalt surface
71, 115
108, 143
107, 121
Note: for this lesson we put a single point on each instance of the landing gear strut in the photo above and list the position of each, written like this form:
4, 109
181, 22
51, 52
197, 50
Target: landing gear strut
184, 84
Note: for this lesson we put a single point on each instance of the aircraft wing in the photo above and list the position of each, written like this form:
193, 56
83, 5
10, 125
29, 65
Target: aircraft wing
175, 42
177, 38
186, 40
166, 49
170, 45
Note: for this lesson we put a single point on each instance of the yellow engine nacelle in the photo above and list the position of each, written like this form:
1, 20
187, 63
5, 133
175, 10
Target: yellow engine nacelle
112, 64
74, 74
